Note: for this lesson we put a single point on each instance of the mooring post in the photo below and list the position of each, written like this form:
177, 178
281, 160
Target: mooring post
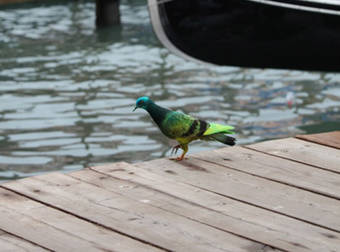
107, 12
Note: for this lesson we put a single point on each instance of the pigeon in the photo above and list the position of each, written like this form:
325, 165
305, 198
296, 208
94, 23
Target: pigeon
184, 128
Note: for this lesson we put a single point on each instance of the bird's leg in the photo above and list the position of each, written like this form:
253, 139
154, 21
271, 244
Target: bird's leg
185, 150
175, 149
184, 147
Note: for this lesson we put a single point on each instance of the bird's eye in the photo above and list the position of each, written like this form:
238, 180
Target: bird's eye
141, 102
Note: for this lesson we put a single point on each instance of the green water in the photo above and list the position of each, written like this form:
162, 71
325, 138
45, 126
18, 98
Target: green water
67, 91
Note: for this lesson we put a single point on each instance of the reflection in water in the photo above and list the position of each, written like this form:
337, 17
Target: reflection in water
68, 90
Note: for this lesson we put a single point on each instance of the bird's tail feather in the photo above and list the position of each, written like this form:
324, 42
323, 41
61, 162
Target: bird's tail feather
222, 138
215, 128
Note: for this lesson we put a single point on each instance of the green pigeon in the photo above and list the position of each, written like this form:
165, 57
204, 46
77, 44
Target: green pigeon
184, 128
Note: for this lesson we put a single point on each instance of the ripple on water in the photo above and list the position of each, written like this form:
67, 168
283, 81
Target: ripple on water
36, 160
39, 135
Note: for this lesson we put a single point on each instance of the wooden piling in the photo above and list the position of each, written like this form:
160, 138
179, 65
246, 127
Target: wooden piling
107, 13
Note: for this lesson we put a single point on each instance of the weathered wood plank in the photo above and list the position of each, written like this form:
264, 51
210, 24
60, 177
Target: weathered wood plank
331, 139
257, 191
57, 230
10, 243
236, 217
302, 151
112, 210
276, 169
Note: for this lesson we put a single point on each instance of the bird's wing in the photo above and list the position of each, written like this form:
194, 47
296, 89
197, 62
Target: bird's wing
178, 125
185, 128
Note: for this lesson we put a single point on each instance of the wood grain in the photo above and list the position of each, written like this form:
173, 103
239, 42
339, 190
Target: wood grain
249, 189
56, 230
134, 218
276, 169
281, 195
298, 150
10, 243
331, 139
242, 219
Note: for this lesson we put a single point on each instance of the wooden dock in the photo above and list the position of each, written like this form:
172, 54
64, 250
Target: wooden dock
280, 195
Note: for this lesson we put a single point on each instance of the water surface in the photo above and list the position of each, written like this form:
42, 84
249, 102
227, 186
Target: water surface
67, 91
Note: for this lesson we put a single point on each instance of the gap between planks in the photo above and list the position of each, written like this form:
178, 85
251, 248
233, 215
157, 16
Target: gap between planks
301, 151
207, 190
46, 226
12, 242
129, 216
272, 168
252, 190
330, 139
95, 177
275, 180
118, 173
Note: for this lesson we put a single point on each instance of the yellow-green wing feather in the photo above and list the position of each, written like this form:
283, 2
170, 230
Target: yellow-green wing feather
215, 128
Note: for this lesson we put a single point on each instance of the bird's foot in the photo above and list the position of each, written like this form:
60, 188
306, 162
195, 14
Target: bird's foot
178, 158
175, 149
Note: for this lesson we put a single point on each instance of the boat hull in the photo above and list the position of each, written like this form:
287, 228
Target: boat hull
248, 34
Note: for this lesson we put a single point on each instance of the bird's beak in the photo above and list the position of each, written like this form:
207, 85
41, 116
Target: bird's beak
134, 109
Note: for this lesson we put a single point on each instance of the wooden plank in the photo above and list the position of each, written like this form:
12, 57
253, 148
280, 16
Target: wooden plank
331, 139
10, 243
57, 230
302, 151
147, 223
276, 169
253, 190
236, 217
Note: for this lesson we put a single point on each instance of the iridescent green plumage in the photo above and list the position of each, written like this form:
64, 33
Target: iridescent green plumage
185, 128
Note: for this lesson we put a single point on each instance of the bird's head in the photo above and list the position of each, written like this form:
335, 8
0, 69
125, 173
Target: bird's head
142, 102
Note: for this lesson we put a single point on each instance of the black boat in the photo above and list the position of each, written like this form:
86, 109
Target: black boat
289, 34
